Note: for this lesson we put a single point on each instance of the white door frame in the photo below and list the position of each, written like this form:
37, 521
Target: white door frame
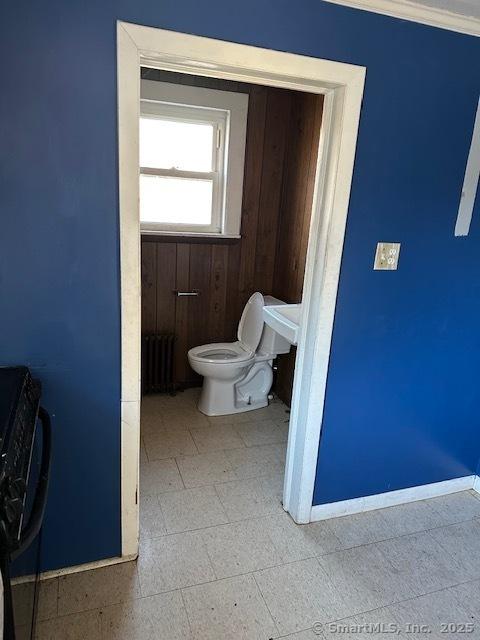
342, 85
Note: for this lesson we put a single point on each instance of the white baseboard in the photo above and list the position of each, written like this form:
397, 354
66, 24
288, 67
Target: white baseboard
391, 498
86, 567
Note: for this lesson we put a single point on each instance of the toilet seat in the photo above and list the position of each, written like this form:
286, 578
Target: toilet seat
219, 353
249, 333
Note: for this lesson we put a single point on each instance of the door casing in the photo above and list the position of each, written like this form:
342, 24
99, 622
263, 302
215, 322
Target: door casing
342, 85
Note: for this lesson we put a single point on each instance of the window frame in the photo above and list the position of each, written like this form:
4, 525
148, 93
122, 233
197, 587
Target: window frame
227, 110
218, 118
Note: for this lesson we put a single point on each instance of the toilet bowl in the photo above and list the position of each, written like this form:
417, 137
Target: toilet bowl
237, 376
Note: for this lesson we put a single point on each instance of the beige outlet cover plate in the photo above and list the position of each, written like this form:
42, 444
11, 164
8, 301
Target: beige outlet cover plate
386, 256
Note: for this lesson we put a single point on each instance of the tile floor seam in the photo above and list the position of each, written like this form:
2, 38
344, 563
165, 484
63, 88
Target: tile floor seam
179, 473
210, 559
142, 445
335, 589
190, 626
265, 603
402, 535
253, 574
356, 546
416, 597
57, 595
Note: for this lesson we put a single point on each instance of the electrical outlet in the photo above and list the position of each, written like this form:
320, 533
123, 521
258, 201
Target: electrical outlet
386, 256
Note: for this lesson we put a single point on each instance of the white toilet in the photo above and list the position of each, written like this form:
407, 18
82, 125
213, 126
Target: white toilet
238, 375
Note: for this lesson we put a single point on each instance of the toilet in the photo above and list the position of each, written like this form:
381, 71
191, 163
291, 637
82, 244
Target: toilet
237, 376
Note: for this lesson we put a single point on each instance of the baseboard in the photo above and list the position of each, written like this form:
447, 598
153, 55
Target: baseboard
392, 498
47, 575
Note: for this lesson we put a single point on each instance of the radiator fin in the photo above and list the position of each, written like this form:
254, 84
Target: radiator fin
157, 363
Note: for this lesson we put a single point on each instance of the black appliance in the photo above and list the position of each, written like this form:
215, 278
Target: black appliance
24, 473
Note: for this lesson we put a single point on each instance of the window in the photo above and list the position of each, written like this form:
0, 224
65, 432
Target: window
192, 147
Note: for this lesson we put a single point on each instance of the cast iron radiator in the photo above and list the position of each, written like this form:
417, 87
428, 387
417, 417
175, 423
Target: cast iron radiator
157, 362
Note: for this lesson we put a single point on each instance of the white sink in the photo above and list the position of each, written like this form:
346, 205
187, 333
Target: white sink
284, 320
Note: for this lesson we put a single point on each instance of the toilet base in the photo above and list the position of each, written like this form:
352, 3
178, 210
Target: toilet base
247, 393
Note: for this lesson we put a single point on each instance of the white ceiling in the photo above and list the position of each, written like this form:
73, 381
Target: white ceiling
462, 7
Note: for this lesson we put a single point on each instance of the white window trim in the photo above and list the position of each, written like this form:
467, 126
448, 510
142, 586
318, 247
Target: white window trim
342, 85
186, 113
230, 188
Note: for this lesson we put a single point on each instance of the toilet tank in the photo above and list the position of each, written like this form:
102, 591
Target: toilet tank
271, 341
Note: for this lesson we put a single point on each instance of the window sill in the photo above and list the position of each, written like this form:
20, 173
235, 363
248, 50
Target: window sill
188, 236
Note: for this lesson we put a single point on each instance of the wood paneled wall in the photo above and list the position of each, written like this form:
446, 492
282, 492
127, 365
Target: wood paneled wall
295, 213
227, 272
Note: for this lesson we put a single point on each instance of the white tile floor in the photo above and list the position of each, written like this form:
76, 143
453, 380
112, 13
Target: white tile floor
220, 560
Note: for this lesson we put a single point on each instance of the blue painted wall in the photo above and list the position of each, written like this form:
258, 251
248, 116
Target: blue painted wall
400, 406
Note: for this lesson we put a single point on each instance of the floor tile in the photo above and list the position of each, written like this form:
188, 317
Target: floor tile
240, 418
274, 411
230, 609
412, 517
97, 588
298, 542
468, 596
258, 433
456, 507
159, 476
360, 528
434, 612
365, 578
474, 493
143, 453
169, 443
152, 522
298, 595
251, 498
23, 595
219, 420
205, 469
322, 535
309, 634
159, 617
216, 438
461, 542
173, 562
240, 547
254, 462
195, 419
420, 560
192, 509
78, 626
380, 623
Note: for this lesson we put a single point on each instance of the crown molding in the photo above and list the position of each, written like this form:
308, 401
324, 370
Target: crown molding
414, 12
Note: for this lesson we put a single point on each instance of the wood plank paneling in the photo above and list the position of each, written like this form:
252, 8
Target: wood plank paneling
270, 257
254, 156
295, 214
279, 104
166, 283
181, 369
218, 293
149, 288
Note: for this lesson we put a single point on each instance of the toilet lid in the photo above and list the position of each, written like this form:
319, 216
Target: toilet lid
250, 326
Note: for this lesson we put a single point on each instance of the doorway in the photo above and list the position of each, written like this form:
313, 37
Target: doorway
342, 88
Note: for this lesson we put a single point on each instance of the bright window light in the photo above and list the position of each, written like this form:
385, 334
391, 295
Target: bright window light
168, 200
192, 146
170, 144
